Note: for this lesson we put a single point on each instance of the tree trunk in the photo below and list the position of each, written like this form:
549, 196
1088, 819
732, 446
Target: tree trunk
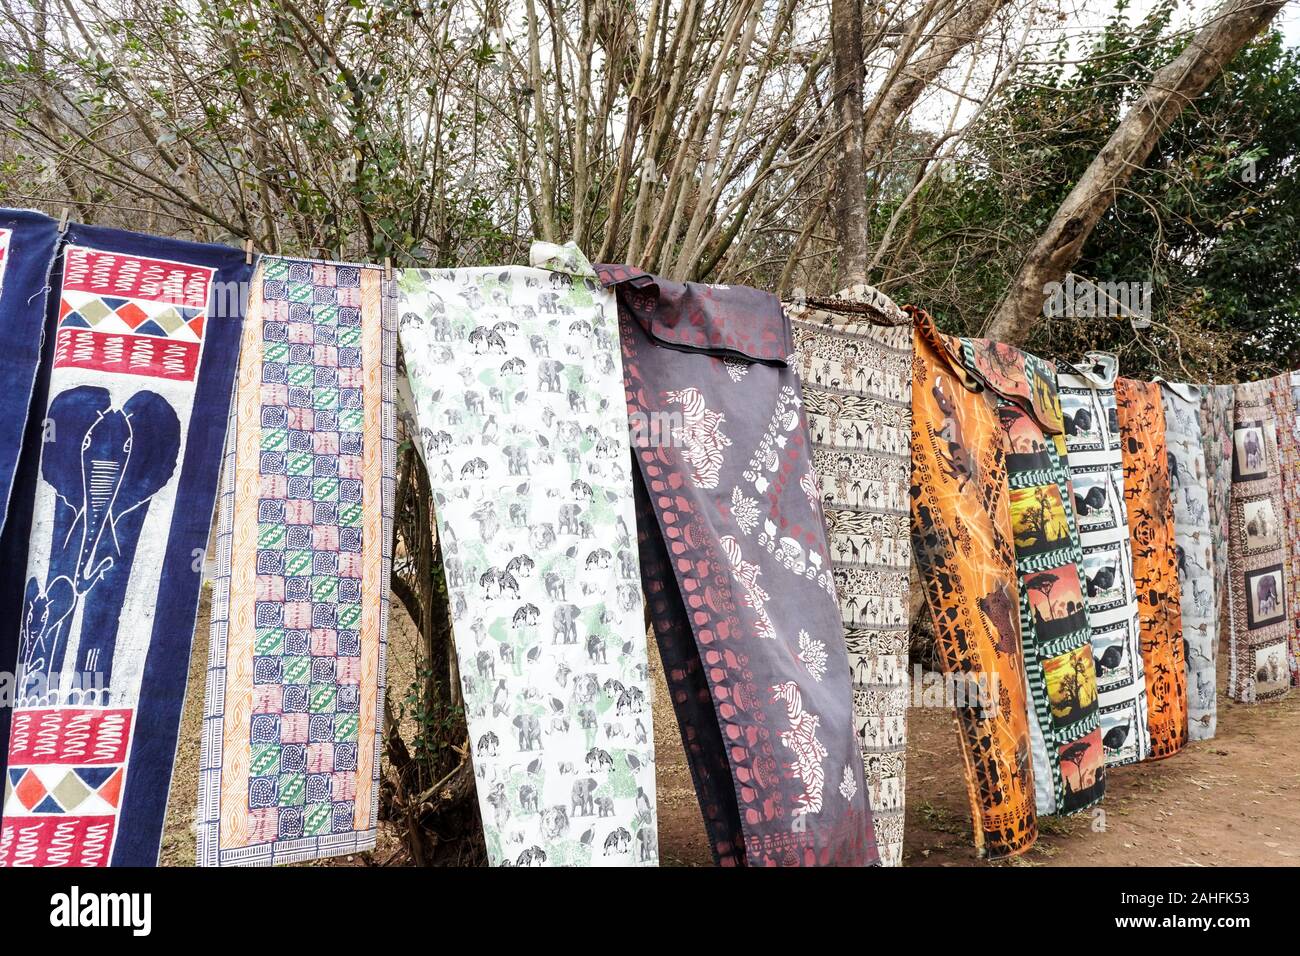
1234, 24
851, 202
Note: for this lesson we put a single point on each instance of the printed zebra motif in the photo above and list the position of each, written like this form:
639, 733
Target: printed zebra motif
700, 435
747, 573
809, 754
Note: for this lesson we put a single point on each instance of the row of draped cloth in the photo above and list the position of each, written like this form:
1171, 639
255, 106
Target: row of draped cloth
603, 445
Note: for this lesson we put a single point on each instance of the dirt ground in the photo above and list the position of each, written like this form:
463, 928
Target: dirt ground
1234, 800
1231, 801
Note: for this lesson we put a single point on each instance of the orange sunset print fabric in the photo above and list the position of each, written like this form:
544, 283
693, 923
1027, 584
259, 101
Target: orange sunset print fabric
1069, 760
962, 544
1155, 561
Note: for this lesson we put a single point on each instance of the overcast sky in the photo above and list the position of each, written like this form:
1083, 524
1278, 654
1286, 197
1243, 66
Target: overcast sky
1083, 22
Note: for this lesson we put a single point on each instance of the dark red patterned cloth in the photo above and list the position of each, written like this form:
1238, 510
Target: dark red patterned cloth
738, 574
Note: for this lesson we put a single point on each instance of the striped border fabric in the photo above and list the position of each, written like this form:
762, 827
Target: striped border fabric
293, 720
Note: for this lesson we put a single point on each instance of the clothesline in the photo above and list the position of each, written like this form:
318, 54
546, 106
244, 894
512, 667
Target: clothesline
875, 302
1079, 537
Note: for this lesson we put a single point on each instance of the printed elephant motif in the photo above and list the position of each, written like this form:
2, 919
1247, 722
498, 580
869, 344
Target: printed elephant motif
530, 731
103, 480
516, 460
528, 467
583, 797
548, 375
647, 844
568, 517
565, 621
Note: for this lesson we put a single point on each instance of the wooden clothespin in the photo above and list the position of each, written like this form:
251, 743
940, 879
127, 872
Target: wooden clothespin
248, 252
63, 221
388, 269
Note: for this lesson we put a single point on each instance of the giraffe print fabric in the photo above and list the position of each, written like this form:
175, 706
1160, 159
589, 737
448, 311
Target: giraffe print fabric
515, 376
738, 574
857, 391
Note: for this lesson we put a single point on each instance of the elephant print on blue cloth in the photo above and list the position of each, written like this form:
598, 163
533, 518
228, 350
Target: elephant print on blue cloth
105, 464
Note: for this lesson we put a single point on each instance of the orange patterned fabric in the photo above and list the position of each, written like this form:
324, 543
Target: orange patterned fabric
961, 538
1155, 561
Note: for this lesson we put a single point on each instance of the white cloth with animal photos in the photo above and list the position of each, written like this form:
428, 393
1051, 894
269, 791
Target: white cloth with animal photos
1198, 586
518, 384
1096, 462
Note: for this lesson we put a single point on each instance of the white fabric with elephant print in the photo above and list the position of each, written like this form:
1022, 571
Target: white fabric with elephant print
518, 387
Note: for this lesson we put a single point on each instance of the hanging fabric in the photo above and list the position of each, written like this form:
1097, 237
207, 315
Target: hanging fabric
962, 542
293, 719
1194, 552
857, 387
1155, 562
145, 347
28, 241
515, 374
1286, 406
738, 573
1216, 438
1092, 437
1069, 760
1258, 576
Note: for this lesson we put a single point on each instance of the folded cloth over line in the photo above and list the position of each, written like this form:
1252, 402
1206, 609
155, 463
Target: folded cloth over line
293, 718
145, 342
528, 461
737, 572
